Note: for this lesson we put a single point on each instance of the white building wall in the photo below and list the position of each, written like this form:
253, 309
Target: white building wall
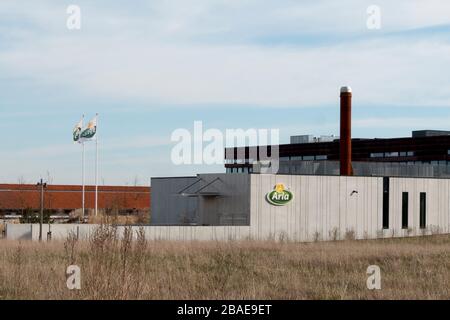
437, 205
323, 207
327, 207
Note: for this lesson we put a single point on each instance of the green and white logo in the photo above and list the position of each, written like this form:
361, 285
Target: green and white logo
279, 196
76, 133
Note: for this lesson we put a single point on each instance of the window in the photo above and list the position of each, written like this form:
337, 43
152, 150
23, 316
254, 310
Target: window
377, 155
308, 158
391, 154
403, 154
423, 210
386, 203
410, 153
321, 157
284, 158
405, 205
296, 158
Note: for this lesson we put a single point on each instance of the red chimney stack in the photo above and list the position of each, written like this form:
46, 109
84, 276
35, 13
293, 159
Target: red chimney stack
346, 132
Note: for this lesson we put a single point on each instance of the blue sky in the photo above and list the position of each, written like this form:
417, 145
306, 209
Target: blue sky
151, 67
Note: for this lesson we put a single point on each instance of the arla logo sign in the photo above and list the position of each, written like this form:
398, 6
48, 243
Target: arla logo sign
279, 196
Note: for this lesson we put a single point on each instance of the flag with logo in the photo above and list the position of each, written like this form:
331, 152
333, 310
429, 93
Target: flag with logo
90, 131
76, 134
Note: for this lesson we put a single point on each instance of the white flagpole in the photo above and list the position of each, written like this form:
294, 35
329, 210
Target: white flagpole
82, 169
83, 198
96, 168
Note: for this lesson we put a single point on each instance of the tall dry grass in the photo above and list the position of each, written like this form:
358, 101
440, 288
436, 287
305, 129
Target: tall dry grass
102, 218
412, 268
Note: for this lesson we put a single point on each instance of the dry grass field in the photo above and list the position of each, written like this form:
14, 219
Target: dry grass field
413, 268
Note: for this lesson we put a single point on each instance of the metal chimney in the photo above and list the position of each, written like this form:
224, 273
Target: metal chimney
346, 132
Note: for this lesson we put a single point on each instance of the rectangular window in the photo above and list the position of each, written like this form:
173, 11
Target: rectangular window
410, 153
284, 158
405, 206
402, 154
296, 158
423, 210
308, 158
391, 154
385, 202
321, 157
377, 155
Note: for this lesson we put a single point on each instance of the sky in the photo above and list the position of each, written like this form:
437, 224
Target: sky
150, 67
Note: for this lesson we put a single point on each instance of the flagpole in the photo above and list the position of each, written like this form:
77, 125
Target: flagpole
96, 167
82, 181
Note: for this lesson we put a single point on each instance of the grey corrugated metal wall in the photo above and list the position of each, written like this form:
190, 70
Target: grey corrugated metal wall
167, 206
207, 199
388, 169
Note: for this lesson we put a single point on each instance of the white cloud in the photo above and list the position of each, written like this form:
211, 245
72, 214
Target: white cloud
183, 52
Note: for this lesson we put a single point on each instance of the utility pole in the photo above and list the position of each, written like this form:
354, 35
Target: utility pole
42, 185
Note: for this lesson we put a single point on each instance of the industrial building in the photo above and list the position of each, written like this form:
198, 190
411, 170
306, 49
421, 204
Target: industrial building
66, 199
320, 208
425, 154
324, 190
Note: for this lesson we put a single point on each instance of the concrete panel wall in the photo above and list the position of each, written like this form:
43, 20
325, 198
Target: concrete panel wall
173, 233
61, 231
19, 231
328, 207
323, 207
437, 205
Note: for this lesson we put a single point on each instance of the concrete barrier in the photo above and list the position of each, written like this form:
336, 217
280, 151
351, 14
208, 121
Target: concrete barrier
19, 231
84, 231
183, 233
